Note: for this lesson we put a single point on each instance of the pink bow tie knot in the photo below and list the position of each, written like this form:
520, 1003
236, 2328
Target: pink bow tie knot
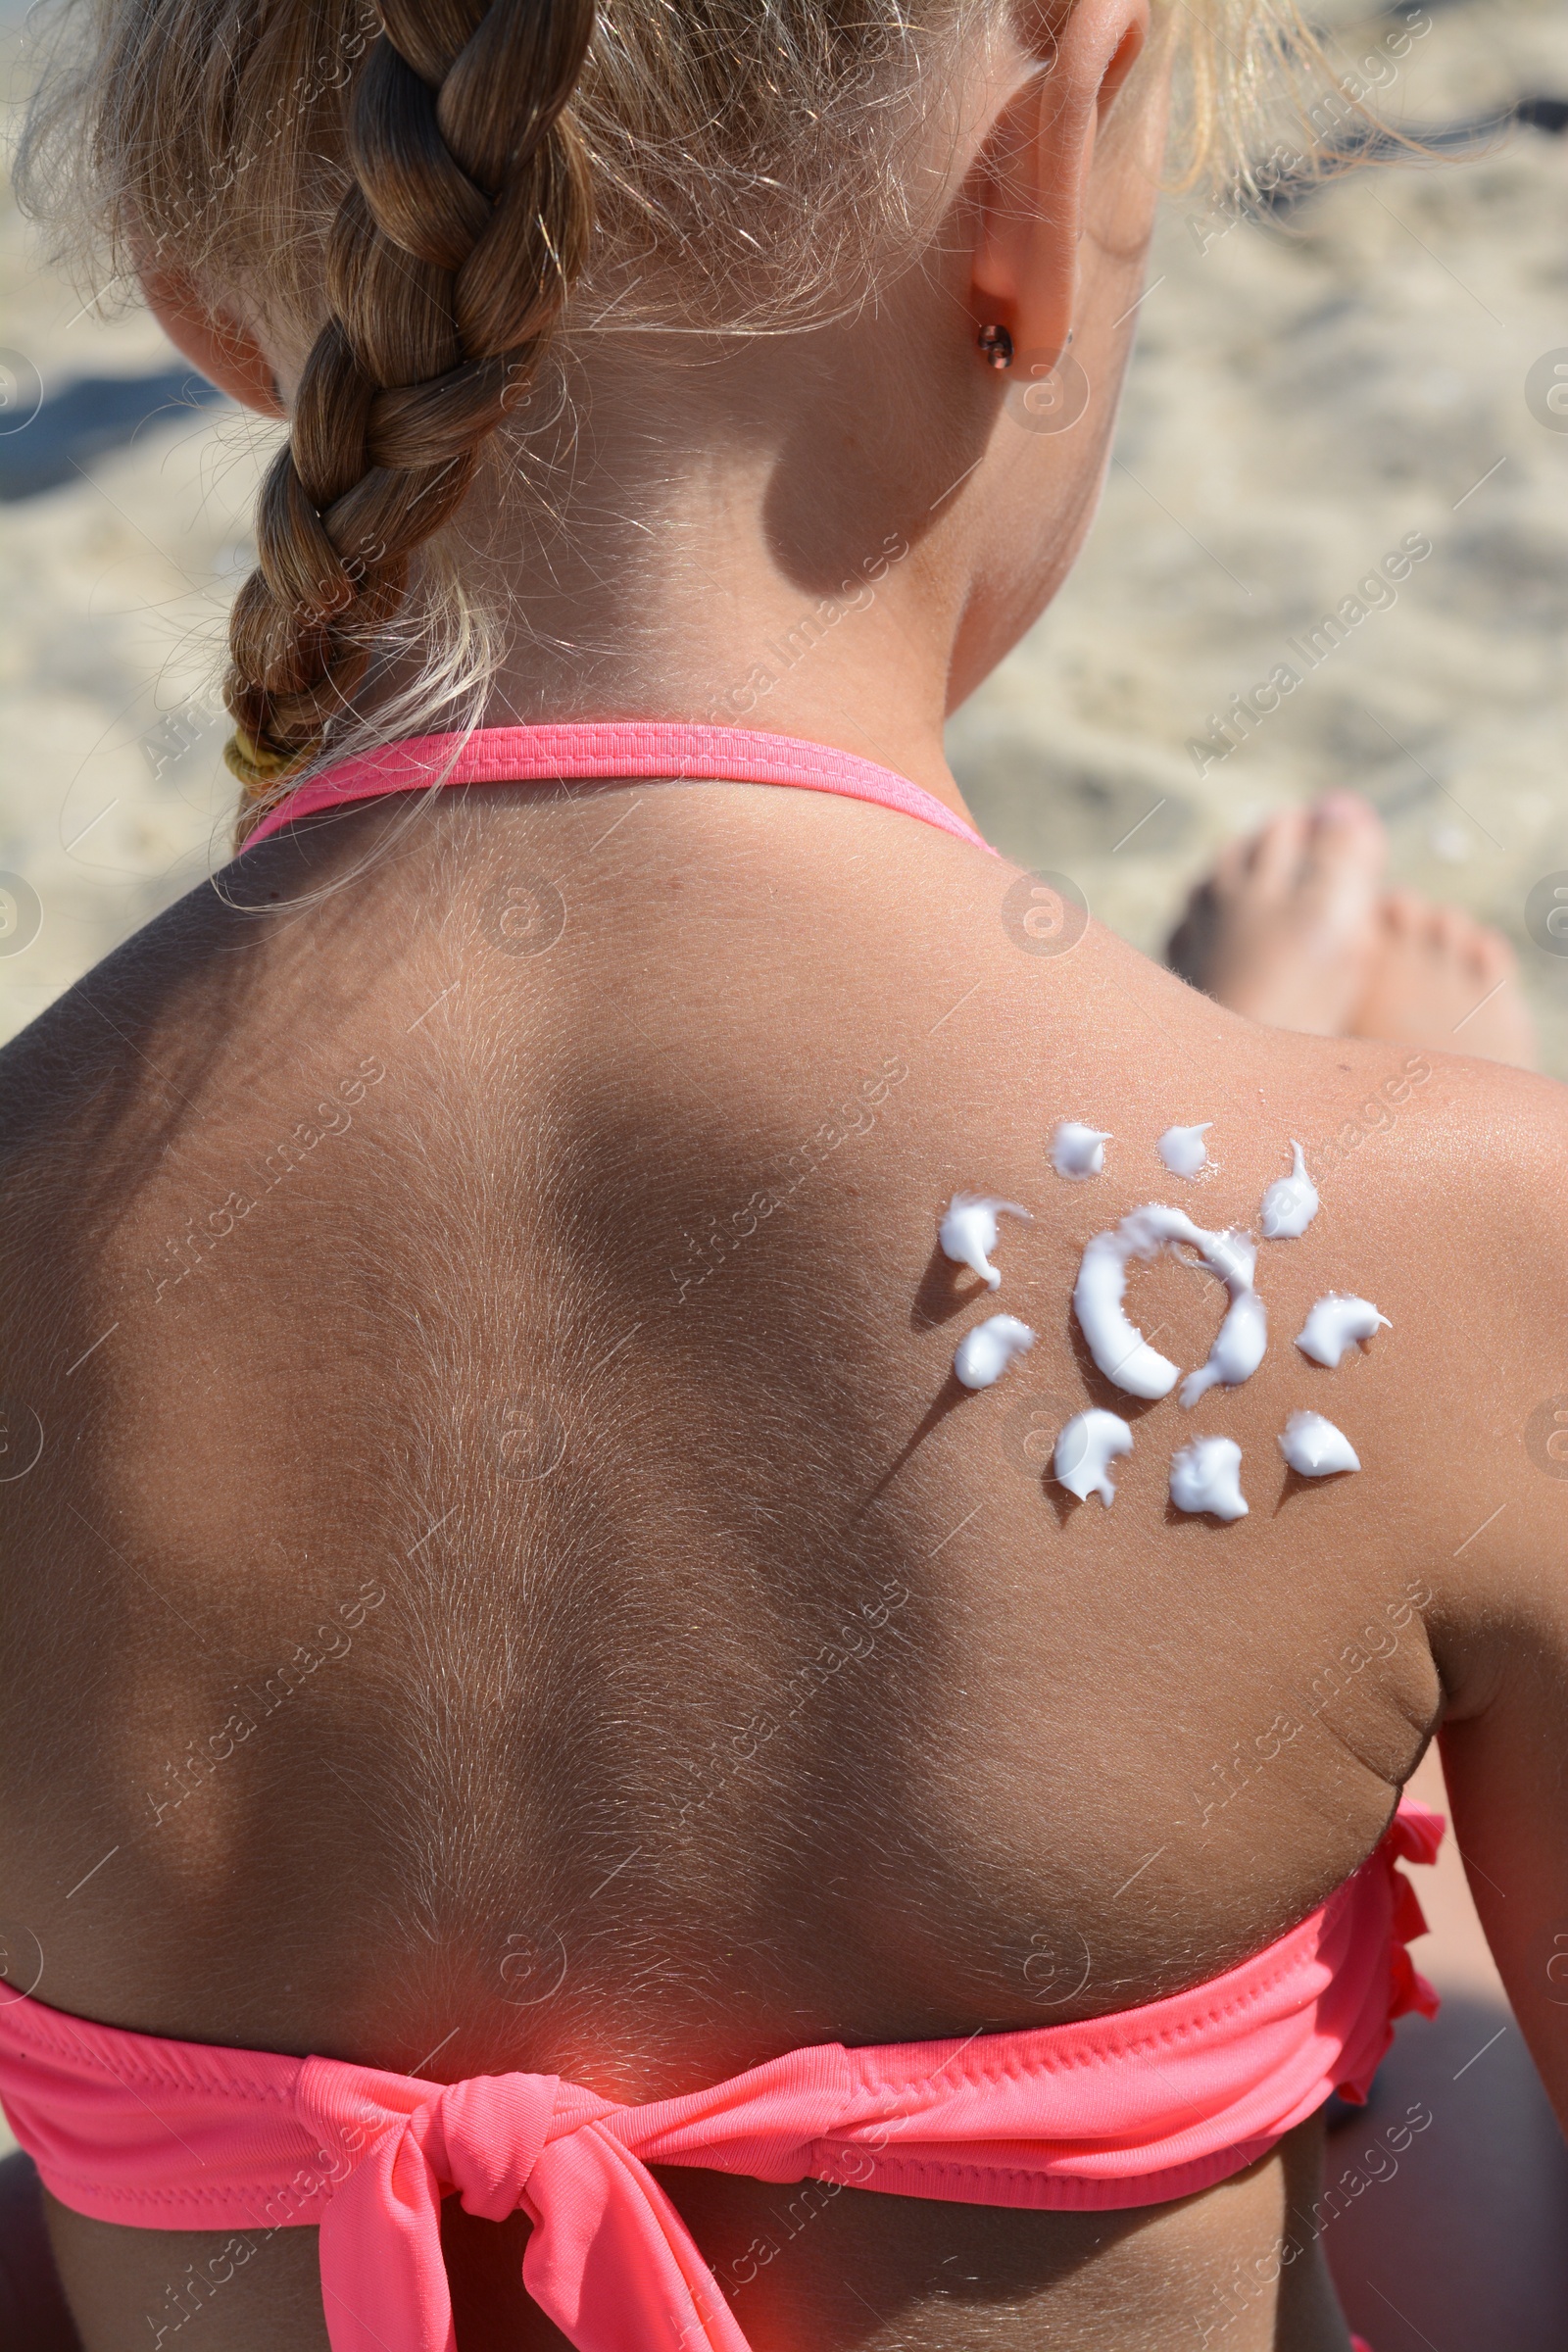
609, 2259
484, 2137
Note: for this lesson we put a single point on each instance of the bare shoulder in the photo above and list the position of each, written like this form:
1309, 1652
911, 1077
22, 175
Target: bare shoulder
1475, 1223
1464, 1184
1444, 1191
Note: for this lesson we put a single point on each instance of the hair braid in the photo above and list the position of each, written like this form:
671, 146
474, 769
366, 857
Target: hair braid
448, 264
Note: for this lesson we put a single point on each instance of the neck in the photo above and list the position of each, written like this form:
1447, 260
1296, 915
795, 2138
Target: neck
726, 555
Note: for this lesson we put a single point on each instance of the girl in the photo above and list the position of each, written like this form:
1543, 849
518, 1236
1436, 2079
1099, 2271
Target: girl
588, 1754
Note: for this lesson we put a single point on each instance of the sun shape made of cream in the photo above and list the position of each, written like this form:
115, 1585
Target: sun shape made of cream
1120, 1349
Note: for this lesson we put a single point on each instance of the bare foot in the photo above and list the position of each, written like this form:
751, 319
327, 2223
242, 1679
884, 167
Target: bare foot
1440, 979
1284, 929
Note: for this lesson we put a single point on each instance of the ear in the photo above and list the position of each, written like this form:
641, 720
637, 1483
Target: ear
1033, 174
225, 353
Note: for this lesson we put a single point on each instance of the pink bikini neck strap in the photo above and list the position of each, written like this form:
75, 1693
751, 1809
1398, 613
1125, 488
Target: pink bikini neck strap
674, 751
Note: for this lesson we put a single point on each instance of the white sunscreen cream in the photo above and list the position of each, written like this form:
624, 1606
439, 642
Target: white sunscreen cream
1207, 1476
1290, 1202
1118, 1346
968, 1232
1183, 1148
985, 1352
1315, 1448
1334, 1323
1078, 1152
1085, 1451
1242, 1337
1120, 1349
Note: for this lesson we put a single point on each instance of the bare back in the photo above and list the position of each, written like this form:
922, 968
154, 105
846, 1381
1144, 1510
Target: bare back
510, 1579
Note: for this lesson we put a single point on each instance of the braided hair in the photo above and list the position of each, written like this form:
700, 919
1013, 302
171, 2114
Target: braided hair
469, 218
403, 187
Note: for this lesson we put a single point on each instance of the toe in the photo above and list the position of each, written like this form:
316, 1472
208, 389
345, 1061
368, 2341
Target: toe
1344, 847
1348, 814
1403, 913
1492, 958
1275, 852
1499, 952
1449, 929
1233, 864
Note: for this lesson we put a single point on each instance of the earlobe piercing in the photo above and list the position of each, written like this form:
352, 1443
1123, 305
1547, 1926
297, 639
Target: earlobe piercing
995, 347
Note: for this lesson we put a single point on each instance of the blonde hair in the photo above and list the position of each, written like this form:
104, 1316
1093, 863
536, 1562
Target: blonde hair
412, 191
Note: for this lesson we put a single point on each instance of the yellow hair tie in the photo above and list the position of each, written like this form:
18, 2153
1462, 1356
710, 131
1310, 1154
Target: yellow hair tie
259, 769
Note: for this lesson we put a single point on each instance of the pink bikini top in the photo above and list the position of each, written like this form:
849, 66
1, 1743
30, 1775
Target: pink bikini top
1133, 2109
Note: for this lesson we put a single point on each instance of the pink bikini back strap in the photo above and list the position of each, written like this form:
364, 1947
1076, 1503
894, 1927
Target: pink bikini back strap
631, 747
1132, 2109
